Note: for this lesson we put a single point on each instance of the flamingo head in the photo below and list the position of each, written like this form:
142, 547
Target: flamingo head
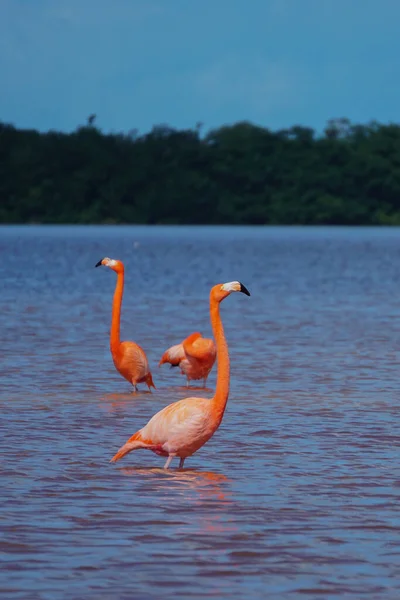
221, 291
115, 265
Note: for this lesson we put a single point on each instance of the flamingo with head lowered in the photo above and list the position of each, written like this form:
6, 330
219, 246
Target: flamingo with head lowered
129, 358
195, 357
180, 429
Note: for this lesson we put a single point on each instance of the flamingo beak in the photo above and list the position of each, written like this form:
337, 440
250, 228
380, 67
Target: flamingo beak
99, 263
244, 289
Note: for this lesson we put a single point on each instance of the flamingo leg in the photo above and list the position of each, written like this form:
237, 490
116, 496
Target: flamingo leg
188, 383
169, 459
134, 387
181, 463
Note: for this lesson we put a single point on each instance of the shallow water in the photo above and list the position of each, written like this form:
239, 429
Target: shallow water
296, 496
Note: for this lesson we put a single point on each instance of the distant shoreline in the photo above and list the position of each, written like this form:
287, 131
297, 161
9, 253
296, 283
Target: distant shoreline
239, 174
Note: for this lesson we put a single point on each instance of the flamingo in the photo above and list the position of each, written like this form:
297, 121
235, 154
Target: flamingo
129, 358
181, 428
195, 356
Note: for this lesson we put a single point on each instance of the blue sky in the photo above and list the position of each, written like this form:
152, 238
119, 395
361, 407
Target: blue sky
137, 63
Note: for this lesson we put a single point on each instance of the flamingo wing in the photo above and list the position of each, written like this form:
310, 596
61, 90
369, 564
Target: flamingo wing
201, 349
178, 420
133, 357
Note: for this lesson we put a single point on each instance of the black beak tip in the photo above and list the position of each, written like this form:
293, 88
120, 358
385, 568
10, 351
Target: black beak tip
244, 289
98, 264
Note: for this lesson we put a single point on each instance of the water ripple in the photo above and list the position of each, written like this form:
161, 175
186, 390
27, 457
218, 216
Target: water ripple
296, 496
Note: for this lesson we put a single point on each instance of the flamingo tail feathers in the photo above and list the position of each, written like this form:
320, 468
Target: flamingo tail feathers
134, 443
149, 381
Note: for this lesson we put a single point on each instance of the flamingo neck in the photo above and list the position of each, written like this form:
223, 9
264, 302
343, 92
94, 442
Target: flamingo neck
116, 313
222, 390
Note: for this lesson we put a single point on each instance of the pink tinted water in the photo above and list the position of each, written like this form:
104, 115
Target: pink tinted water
297, 494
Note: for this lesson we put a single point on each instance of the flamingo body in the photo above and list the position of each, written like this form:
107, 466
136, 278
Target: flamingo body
182, 428
131, 362
129, 358
195, 357
179, 429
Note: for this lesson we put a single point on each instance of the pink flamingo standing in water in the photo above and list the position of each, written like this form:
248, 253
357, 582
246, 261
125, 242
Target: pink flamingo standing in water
180, 429
195, 357
129, 358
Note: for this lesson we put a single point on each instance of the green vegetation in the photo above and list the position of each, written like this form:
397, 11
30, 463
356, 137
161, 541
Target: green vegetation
238, 174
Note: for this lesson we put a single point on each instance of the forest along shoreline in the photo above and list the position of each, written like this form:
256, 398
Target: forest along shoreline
236, 174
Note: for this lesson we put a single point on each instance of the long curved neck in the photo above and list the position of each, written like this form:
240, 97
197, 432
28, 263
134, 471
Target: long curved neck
222, 390
116, 313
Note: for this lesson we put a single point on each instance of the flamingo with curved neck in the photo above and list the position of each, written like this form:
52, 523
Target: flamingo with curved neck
129, 358
195, 357
180, 429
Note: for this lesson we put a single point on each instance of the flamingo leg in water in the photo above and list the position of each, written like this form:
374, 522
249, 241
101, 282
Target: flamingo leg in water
181, 463
134, 387
169, 459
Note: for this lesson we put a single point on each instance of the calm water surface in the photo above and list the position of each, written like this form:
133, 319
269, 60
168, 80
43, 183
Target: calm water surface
296, 496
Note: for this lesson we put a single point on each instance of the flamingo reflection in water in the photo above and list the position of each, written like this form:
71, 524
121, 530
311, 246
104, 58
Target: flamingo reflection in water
200, 488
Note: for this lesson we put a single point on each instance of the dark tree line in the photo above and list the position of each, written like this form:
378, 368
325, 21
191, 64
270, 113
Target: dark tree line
239, 174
